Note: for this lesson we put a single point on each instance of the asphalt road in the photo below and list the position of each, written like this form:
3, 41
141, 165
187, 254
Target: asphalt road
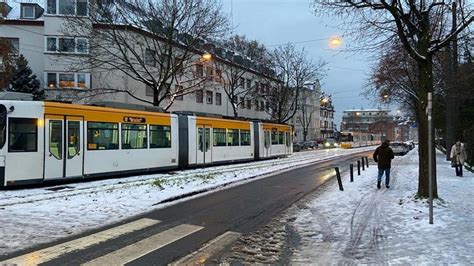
239, 209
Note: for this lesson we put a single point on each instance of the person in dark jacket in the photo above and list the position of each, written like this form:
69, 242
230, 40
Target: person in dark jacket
383, 155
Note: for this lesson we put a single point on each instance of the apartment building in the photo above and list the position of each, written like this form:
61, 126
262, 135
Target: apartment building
327, 126
358, 120
37, 30
306, 120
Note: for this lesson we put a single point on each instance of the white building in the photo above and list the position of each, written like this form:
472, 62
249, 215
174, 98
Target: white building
307, 117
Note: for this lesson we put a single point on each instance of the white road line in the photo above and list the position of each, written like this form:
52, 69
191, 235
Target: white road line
214, 246
145, 246
47, 254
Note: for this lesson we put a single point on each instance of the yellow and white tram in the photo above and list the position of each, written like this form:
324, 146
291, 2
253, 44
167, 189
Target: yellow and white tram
47, 141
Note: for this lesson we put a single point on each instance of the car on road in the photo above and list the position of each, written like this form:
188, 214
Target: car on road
399, 148
330, 143
310, 144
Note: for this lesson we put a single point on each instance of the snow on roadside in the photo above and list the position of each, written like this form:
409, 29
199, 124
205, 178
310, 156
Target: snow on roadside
364, 225
33, 216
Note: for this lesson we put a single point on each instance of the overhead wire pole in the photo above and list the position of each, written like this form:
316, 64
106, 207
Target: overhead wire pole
430, 155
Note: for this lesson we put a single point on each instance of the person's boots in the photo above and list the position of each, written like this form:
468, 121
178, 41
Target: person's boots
378, 184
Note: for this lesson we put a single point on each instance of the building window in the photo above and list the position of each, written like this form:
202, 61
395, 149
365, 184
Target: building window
199, 70
249, 104
150, 57
13, 44
28, 11
218, 98
22, 135
256, 105
249, 84
68, 80
242, 102
199, 96
178, 89
262, 106
242, 82
67, 45
67, 7
209, 97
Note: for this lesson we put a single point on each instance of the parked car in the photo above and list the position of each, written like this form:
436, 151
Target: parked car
310, 144
399, 148
411, 144
297, 146
330, 143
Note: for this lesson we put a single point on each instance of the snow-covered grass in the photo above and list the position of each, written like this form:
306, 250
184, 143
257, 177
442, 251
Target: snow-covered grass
365, 225
34, 216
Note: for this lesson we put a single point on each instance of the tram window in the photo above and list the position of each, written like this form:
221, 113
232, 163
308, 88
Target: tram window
160, 136
245, 137
232, 137
102, 136
56, 138
219, 137
73, 138
3, 124
274, 137
22, 135
134, 136
281, 139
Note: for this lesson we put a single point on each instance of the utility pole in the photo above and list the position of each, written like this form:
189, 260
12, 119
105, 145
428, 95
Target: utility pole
429, 111
452, 107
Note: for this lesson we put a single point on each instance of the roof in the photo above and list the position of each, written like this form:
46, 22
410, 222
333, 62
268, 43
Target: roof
14, 13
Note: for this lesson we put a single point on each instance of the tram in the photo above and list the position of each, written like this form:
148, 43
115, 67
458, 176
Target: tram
48, 141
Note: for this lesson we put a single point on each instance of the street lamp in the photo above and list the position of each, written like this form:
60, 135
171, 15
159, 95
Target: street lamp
335, 41
206, 56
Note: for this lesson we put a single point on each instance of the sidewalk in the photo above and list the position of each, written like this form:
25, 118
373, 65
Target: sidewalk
365, 225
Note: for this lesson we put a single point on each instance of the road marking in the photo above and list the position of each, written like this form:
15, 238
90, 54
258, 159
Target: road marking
47, 254
213, 247
145, 246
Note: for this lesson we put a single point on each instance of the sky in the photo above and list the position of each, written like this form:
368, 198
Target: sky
276, 22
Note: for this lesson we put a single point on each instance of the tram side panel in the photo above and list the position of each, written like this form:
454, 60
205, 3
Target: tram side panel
22, 156
242, 150
125, 160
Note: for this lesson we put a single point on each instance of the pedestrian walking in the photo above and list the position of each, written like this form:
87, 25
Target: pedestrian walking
458, 156
383, 156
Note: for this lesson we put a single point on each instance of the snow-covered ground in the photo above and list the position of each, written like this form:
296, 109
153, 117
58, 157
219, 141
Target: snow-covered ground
34, 216
365, 225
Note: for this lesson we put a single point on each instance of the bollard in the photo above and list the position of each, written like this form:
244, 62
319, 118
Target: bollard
351, 166
367, 161
363, 164
358, 167
339, 181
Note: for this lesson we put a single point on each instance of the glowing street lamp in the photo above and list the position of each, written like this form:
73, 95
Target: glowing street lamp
206, 56
335, 42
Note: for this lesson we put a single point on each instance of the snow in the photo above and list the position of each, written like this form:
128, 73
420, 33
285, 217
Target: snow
34, 216
360, 225
365, 225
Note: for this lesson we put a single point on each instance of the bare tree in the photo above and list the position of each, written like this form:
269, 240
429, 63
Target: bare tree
294, 69
7, 63
423, 28
305, 118
155, 43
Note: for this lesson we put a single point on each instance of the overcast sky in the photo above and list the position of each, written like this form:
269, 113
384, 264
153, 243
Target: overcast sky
274, 22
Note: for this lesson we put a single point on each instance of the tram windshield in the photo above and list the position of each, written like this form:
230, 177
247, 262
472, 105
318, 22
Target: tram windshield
3, 124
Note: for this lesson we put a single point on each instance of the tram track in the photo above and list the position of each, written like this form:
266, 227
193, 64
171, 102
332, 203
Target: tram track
18, 197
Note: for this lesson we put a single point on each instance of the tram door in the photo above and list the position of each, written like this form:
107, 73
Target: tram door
267, 144
204, 151
63, 147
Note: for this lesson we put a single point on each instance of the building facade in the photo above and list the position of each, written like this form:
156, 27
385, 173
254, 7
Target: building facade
306, 120
358, 120
38, 31
327, 126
